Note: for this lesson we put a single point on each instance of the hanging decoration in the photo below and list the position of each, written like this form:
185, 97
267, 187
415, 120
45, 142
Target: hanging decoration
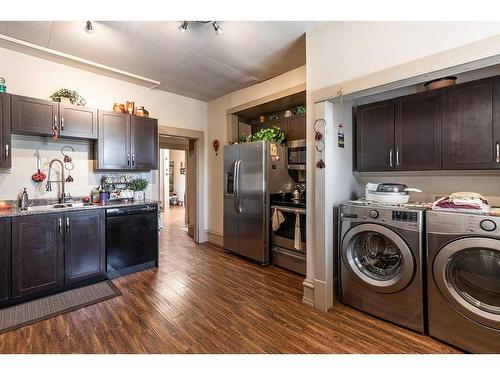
216, 145
320, 143
340, 131
68, 161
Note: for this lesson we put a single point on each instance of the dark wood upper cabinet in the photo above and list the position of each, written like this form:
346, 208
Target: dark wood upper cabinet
5, 253
471, 125
418, 131
77, 121
85, 246
375, 136
37, 254
113, 148
144, 143
34, 116
297, 128
5, 147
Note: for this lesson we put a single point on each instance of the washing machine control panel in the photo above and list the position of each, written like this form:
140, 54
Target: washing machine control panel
399, 217
462, 223
405, 216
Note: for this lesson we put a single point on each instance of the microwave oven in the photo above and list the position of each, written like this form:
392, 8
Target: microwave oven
296, 154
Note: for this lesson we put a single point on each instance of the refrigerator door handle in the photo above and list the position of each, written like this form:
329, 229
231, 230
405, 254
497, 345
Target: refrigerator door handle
237, 185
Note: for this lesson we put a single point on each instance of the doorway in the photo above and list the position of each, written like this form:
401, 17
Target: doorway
177, 184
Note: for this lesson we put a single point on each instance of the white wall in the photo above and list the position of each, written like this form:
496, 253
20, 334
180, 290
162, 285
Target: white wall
178, 157
35, 77
338, 52
217, 129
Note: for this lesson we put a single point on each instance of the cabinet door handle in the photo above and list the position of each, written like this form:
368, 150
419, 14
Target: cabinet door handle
62, 123
497, 158
397, 156
60, 225
128, 159
67, 224
390, 158
133, 159
7, 151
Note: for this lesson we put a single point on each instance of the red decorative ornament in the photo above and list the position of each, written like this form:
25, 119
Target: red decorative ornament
216, 145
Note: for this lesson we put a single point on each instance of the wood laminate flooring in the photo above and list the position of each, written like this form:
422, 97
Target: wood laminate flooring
203, 300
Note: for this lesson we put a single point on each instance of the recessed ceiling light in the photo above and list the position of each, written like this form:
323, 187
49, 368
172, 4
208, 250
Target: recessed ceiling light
89, 29
217, 28
184, 26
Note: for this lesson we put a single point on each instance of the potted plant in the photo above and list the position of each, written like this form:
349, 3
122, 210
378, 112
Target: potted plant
138, 185
68, 95
273, 134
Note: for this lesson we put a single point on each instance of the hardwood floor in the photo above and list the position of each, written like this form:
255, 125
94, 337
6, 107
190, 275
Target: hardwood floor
202, 300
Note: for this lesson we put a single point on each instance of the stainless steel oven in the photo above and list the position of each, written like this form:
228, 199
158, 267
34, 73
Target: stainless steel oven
286, 251
296, 154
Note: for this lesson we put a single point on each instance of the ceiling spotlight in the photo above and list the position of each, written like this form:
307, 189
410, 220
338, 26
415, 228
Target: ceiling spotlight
184, 26
89, 29
217, 28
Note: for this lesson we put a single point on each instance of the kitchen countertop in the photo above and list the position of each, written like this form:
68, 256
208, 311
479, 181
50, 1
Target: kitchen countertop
16, 211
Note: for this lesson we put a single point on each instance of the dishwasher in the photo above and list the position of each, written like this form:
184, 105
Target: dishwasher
131, 239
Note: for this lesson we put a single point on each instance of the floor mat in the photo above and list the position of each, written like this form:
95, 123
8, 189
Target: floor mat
27, 313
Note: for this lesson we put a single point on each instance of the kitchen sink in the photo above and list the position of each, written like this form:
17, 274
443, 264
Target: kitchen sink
59, 206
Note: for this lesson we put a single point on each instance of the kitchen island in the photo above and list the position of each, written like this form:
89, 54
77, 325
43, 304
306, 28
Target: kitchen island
53, 247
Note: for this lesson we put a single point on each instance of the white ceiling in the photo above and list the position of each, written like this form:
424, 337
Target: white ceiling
197, 63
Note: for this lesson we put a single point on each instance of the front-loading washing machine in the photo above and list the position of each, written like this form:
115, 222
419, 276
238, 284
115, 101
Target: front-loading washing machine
463, 262
381, 252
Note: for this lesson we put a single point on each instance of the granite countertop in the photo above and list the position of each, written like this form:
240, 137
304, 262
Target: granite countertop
16, 211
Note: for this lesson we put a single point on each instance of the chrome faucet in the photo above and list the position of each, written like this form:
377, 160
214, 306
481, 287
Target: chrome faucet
63, 198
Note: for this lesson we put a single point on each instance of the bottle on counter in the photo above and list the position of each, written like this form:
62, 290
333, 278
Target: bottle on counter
103, 196
24, 200
94, 195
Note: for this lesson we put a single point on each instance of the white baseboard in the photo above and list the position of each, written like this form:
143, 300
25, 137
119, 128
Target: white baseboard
215, 238
308, 293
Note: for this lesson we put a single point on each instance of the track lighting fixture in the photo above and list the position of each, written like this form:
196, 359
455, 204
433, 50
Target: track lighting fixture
217, 28
184, 26
89, 29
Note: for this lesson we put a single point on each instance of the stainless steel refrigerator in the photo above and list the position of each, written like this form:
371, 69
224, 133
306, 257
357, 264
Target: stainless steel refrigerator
252, 171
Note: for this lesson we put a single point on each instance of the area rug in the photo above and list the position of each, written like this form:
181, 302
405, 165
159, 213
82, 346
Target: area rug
27, 313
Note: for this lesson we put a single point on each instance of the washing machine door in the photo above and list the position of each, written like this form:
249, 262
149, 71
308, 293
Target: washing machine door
378, 258
467, 273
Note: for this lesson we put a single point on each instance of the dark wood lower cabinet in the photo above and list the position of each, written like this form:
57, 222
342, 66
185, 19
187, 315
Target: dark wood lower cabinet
85, 246
37, 254
5, 252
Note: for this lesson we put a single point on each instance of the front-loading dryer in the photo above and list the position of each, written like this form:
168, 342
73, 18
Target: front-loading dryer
463, 263
381, 252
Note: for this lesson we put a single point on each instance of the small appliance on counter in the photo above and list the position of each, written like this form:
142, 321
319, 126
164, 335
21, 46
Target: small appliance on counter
389, 193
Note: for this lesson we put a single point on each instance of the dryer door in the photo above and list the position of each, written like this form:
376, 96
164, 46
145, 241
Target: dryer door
378, 258
467, 273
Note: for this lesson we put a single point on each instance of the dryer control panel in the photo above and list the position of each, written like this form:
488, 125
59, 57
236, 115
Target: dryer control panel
462, 223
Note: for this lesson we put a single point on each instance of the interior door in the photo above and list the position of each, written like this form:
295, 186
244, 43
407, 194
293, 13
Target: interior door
375, 136
253, 242
467, 273
144, 143
418, 131
378, 258
114, 141
231, 157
